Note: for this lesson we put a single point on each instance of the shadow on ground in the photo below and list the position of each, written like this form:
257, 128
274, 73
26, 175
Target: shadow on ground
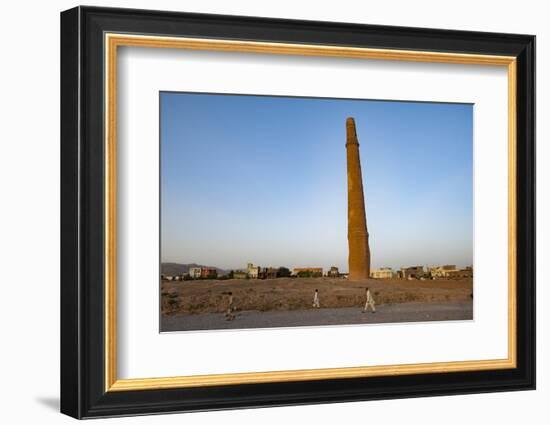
49, 402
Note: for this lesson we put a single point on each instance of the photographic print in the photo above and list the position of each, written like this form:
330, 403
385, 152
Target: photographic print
258, 183
301, 211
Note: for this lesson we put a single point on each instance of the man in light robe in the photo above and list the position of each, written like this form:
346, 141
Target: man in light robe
316, 299
369, 301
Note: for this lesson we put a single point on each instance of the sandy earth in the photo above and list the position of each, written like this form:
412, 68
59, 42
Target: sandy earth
210, 296
288, 302
389, 313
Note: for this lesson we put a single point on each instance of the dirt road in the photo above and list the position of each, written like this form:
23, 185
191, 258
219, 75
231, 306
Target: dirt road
388, 313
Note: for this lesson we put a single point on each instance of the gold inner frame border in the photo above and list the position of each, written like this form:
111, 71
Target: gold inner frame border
113, 40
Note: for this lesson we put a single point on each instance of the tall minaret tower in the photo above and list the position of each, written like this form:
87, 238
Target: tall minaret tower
358, 236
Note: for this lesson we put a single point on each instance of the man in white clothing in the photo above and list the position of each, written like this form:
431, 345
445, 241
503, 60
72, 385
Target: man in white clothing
229, 313
316, 299
369, 302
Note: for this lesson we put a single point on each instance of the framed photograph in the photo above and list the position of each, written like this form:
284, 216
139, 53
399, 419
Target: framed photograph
261, 212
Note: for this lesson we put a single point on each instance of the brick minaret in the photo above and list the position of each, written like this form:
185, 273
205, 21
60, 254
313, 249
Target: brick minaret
358, 236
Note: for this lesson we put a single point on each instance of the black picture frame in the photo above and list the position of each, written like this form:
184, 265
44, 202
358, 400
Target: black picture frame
83, 392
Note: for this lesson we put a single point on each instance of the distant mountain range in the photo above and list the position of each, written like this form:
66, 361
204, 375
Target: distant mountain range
172, 269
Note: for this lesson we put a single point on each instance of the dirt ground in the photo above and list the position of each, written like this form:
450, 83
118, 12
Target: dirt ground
283, 294
387, 313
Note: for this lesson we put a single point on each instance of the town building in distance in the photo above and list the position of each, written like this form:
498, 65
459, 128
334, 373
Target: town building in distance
441, 271
195, 272
446, 271
466, 272
240, 274
382, 273
253, 271
450, 271
413, 272
333, 272
271, 273
258, 272
308, 272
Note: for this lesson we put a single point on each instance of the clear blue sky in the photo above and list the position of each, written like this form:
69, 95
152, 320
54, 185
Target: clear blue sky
262, 179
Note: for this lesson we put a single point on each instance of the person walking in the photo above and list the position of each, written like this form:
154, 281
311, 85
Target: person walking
316, 299
229, 313
369, 302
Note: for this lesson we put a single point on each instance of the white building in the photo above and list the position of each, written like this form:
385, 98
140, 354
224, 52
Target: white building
195, 272
382, 273
253, 271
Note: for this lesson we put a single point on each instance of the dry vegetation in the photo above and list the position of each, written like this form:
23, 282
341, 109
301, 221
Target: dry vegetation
210, 296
